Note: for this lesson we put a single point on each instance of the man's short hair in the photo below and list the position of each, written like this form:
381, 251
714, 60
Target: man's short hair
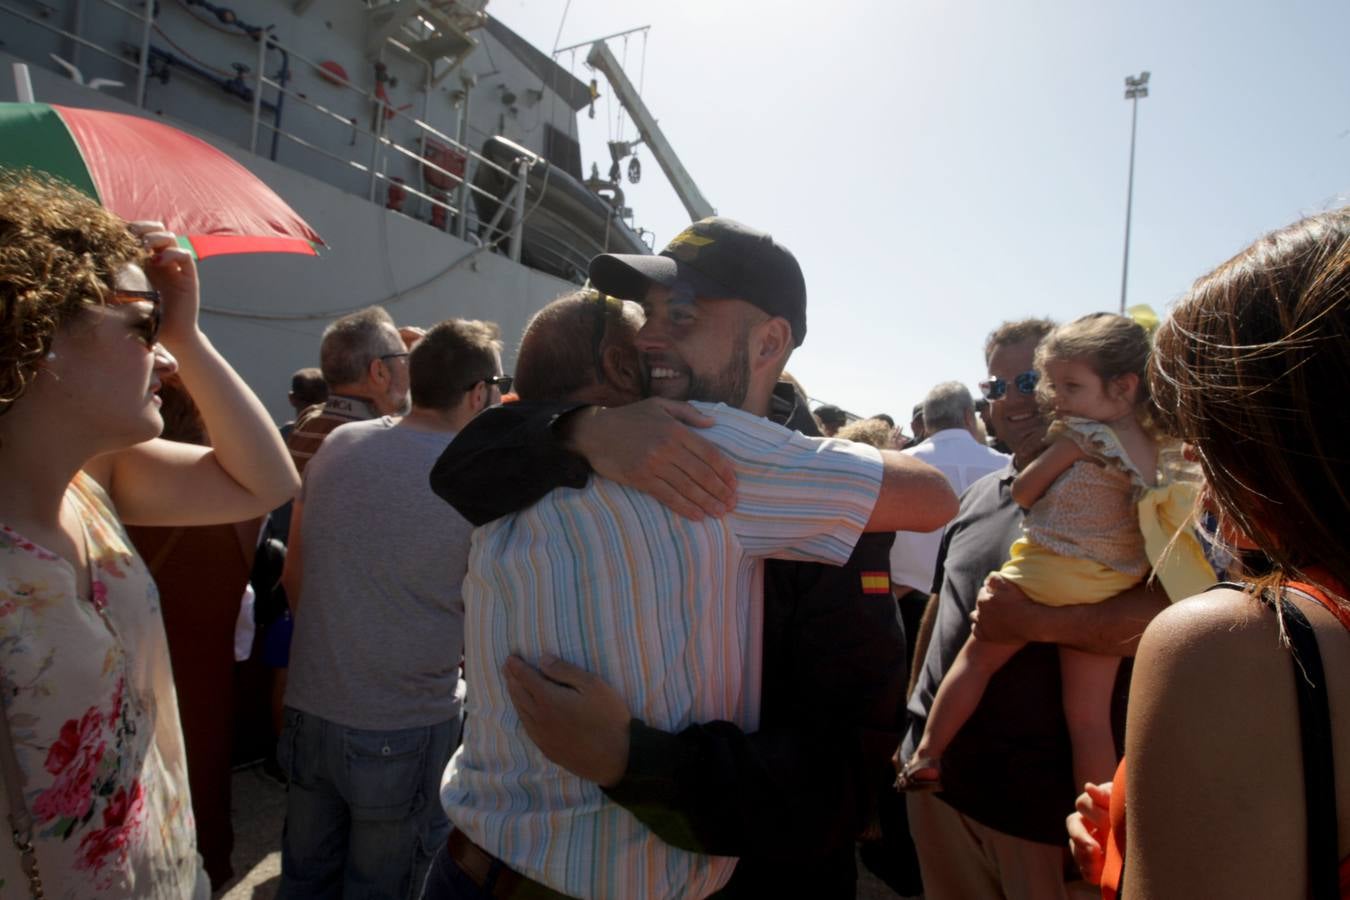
351, 342
561, 351
308, 387
1015, 333
831, 415
453, 357
947, 406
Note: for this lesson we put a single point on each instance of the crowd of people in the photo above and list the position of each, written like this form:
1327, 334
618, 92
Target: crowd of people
631, 621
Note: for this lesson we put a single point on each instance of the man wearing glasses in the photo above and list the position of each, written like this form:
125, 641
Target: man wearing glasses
996, 832
374, 575
364, 361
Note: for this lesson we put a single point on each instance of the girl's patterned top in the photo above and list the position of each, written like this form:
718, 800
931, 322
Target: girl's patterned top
1090, 510
89, 693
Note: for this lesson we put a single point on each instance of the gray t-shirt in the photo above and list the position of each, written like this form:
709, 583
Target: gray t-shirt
380, 626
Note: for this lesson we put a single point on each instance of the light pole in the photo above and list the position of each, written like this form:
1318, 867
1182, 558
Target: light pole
1135, 87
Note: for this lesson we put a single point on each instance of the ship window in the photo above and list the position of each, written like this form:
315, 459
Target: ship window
562, 150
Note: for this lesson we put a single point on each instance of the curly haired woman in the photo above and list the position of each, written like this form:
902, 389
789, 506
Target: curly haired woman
90, 310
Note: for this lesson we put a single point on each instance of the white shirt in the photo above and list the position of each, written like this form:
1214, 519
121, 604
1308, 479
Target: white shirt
964, 460
667, 611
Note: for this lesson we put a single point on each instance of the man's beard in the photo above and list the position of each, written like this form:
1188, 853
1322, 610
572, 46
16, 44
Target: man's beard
732, 383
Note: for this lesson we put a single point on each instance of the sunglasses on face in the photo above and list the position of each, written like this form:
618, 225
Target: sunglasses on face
147, 328
502, 382
995, 388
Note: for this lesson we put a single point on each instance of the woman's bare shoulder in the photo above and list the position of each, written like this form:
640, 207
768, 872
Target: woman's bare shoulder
1223, 640
1198, 622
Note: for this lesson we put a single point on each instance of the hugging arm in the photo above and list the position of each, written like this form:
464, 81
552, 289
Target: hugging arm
510, 456
505, 459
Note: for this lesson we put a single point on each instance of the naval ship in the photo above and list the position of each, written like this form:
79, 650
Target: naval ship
434, 150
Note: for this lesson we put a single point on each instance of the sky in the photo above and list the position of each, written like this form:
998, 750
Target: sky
941, 166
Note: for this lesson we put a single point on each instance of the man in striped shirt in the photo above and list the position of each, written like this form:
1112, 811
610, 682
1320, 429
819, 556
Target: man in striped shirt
668, 610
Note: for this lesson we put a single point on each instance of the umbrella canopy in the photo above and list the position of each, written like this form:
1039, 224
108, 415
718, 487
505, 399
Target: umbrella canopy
143, 169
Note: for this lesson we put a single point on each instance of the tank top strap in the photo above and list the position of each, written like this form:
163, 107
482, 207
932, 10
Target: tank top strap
1328, 593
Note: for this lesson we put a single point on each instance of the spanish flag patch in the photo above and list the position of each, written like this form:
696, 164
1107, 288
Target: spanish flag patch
876, 583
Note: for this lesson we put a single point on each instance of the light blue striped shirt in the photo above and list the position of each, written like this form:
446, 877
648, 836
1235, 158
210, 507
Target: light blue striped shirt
668, 611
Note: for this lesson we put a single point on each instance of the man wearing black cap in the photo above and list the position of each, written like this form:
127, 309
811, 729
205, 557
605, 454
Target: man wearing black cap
790, 798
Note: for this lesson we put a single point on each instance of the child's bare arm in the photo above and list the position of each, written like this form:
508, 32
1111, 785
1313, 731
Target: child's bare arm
1033, 481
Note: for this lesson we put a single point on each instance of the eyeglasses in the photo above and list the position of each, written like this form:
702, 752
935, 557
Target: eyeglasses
393, 355
604, 307
995, 388
502, 382
148, 328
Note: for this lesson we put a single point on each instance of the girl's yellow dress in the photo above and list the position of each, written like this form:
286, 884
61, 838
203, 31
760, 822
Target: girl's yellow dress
1101, 527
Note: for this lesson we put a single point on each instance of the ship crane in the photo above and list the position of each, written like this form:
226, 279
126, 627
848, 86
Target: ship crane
697, 205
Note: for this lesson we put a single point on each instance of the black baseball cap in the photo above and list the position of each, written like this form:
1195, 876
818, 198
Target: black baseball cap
716, 258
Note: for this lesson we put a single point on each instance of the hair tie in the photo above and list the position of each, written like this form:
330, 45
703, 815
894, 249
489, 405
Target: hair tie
1143, 315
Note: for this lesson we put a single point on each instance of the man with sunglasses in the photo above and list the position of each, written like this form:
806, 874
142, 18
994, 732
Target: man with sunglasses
372, 709
997, 829
364, 360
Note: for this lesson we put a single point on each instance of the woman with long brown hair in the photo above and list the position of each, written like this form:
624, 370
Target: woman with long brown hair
1237, 780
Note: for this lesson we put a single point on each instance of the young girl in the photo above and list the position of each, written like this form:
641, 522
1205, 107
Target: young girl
1083, 539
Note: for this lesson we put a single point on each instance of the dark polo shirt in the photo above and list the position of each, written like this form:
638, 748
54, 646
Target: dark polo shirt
1011, 766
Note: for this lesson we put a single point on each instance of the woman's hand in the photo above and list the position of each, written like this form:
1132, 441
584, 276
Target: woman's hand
1088, 828
173, 272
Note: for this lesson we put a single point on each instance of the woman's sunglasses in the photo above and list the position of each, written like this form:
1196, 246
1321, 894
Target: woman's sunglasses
148, 328
995, 388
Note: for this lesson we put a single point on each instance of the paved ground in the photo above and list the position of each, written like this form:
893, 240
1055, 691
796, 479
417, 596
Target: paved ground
260, 808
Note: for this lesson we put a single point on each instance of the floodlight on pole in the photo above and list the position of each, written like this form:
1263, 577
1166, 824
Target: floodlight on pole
1135, 87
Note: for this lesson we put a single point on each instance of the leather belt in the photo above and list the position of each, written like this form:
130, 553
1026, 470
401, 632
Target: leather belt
479, 865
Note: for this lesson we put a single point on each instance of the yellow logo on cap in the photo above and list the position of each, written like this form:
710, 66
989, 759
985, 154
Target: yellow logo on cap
687, 243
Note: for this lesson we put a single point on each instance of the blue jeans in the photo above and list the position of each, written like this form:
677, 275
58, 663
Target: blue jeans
363, 810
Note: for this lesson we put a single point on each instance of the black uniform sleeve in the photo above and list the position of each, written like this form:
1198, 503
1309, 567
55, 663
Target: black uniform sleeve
505, 459
834, 677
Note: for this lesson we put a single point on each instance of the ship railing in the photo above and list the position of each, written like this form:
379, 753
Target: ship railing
147, 23
383, 147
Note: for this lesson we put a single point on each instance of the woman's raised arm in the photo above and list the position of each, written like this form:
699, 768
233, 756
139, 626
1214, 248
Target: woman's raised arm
246, 471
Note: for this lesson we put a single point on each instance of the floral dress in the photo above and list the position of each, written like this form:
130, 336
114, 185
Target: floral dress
89, 694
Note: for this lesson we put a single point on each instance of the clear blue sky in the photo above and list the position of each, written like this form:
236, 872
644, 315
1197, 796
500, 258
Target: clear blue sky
940, 166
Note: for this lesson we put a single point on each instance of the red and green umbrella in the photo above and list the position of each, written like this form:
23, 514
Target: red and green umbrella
143, 169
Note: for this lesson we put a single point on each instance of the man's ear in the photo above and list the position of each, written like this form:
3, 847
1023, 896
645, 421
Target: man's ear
478, 397
772, 343
377, 373
620, 366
